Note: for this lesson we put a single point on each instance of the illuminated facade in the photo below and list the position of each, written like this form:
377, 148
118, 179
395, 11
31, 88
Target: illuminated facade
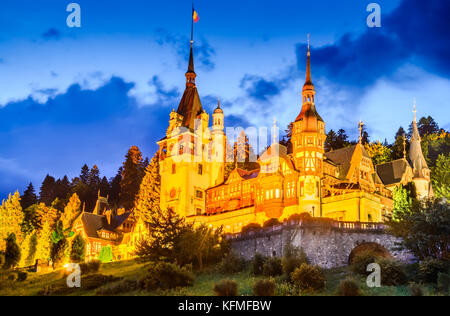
301, 178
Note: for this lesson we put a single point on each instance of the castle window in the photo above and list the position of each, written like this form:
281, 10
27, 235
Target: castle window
199, 211
198, 194
200, 169
277, 193
174, 168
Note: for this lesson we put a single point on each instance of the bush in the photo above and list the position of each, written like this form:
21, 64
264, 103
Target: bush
348, 287
163, 275
2, 259
250, 228
430, 268
258, 264
308, 278
12, 253
271, 222
90, 267
22, 276
293, 258
299, 217
272, 267
232, 263
120, 287
78, 250
361, 261
443, 283
392, 273
415, 289
106, 254
286, 289
226, 288
264, 288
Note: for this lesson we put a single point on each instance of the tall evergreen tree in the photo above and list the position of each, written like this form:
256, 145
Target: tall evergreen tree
11, 218
149, 192
132, 174
104, 187
48, 190
114, 184
29, 197
78, 249
84, 175
63, 188
12, 253
397, 147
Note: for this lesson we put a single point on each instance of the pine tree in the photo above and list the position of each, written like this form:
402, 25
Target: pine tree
48, 190
11, 219
44, 241
71, 211
149, 192
397, 147
78, 249
84, 175
104, 187
29, 197
114, 184
58, 245
132, 175
12, 253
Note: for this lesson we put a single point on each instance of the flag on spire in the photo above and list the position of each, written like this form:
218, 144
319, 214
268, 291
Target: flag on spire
195, 16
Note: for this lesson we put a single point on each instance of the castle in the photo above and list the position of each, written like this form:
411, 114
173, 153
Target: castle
302, 178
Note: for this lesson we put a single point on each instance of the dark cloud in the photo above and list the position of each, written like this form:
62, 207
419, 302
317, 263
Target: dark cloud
259, 88
80, 126
203, 51
415, 31
51, 34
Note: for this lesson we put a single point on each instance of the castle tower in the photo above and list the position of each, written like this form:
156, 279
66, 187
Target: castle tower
184, 167
218, 150
308, 137
421, 172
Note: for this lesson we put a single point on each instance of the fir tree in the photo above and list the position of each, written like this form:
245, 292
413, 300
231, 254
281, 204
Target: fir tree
132, 175
149, 191
78, 249
104, 187
28, 250
12, 253
71, 211
397, 147
43, 246
29, 197
48, 190
114, 184
11, 219
84, 175
58, 245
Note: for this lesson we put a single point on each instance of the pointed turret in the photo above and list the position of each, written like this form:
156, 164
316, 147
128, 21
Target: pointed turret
190, 105
418, 162
309, 115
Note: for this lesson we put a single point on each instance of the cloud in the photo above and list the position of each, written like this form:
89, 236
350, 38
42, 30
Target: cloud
416, 31
51, 34
204, 53
76, 127
259, 88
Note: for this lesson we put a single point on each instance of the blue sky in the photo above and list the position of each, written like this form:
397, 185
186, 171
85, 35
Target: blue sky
85, 95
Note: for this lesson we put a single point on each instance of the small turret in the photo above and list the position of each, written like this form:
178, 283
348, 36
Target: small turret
218, 118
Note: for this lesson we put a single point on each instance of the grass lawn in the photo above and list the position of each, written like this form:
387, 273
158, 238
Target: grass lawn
203, 285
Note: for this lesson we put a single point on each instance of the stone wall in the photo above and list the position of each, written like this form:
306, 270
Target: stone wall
325, 245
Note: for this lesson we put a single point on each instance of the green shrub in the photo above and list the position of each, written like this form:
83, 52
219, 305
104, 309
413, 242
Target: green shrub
286, 289
443, 282
120, 287
12, 253
308, 278
163, 275
264, 288
293, 258
392, 273
361, 261
430, 268
232, 263
90, 267
226, 288
415, 289
272, 267
258, 264
106, 254
348, 287
22, 276
2, 259
271, 222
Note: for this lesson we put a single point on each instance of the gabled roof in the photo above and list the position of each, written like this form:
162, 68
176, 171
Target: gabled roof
343, 157
93, 223
392, 172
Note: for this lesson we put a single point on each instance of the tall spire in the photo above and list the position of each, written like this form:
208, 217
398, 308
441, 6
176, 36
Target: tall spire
360, 127
419, 164
190, 74
308, 82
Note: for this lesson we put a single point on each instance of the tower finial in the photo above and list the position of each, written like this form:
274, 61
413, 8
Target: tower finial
360, 126
414, 110
308, 45
308, 83
190, 74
